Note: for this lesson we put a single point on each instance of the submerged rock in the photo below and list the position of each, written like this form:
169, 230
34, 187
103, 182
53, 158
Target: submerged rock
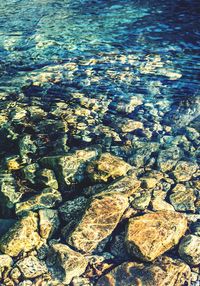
22, 237
69, 168
65, 263
150, 235
48, 198
189, 249
31, 267
107, 166
166, 272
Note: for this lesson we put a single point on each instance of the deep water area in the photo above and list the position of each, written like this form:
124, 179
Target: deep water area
99, 142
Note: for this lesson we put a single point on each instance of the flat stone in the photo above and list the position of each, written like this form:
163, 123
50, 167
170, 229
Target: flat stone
183, 201
100, 219
65, 263
48, 198
189, 249
184, 170
150, 235
166, 272
69, 168
31, 267
107, 166
48, 223
22, 236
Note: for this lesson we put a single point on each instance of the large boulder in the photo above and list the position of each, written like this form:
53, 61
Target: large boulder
150, 235
22, 236
167, 272
103, 214
65, 263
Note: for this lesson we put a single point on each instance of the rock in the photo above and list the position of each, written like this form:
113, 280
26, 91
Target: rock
195, 227
189, 249
168, 158
100, 219
118, 247
23, 236
27, 148
167, 272
69, 168
141, 199
65, 264
9, 195
158, 204
148, 182
31, 267
47, 178
29, 172
48, 198
161, 230
183, 200
48, 223
184, 170
80, 281
74, 209
106, 167
5, 264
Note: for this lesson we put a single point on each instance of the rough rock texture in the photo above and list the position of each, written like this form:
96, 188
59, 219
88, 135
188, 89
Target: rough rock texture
46, 199
5, 263
98, 222
107, 166
69, 168
48, 223
65, 263
31, 267
167, 272
168, 158
184, 170
183, 200
189, 249
23, 236
150, 235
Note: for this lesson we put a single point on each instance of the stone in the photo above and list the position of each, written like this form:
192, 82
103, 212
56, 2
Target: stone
48, 223
27, 148
47, 178
183, 200
167, 272
159, 204
73, 209
189, 249
184, 170
150, 235
106, 167
195, 227
100, 219
21, 237
141, 199
69, 168
31, 267
5, 224
168, 158
48, 198
5, 264
65, 263
148, 182
29, 172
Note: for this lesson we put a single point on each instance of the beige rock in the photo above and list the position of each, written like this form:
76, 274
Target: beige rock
183, 200
48, 222
184, 170
189, 249
65, 263
23, 236
158, 204
149, 183
166, 272
107, 166
31, 267
150, 235
99, 221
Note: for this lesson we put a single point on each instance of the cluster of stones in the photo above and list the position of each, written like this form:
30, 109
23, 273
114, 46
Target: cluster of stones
96, 190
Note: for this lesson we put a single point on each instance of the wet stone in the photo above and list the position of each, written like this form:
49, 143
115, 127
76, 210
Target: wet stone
64, 263
31, 267
21, 237
189, 249
164, 272
161, 230
48, 198
106, 167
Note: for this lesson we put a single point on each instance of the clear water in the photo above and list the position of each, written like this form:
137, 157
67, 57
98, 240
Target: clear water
109, 51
